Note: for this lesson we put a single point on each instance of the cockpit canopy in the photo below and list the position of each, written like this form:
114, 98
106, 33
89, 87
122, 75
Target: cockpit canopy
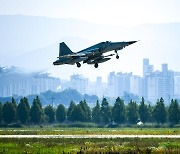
106, 42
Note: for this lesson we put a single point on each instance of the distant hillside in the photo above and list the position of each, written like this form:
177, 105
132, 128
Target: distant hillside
22, 33
64, 97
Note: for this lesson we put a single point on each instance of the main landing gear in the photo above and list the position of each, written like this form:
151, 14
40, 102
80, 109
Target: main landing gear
78, 64
96, 65
117, 56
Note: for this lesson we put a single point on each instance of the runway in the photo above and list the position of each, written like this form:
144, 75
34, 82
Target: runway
91, 136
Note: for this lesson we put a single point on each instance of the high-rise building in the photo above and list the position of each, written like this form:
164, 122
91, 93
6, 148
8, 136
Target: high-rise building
98, 87
158, 84
136, 85
79, 83
177, 86
123, 83
164, 69
147, 69
112, 85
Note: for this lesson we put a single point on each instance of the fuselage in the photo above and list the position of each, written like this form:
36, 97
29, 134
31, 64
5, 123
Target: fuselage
106, 46
91, 55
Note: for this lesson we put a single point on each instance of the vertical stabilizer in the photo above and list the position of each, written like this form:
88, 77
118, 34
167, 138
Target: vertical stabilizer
64, 49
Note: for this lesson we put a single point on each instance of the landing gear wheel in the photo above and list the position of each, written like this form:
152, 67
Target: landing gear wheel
117, 56
96, 65
78, 64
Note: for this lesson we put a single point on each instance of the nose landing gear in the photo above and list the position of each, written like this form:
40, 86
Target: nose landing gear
78, 64
96, 65
117, 56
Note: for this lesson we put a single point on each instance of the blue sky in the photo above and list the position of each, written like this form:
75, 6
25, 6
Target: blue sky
108, 12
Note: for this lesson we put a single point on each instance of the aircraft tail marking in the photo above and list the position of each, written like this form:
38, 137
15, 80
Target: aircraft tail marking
64, 49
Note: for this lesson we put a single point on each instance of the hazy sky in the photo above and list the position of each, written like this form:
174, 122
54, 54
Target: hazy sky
109, 12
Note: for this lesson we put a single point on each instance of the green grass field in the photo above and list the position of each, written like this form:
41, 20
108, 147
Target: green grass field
62, 145
89, 145
89, 131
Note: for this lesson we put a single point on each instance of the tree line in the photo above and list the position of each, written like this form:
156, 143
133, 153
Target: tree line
102, 113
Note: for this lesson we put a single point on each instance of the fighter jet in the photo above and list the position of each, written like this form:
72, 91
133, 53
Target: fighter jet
92, 55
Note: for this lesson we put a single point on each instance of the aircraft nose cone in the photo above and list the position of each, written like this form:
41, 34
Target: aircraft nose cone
131, 42
55, 63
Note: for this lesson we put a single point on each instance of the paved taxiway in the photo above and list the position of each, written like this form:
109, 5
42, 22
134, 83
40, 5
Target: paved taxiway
90, 136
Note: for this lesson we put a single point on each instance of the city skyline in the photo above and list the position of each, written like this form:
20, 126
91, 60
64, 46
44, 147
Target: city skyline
17, 83
142, 70
153, 85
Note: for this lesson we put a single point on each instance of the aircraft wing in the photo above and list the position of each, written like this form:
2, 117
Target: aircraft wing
85, 53
72, 56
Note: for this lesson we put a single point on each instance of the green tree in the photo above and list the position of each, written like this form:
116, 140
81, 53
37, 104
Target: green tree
105, 111
25, 100
132, 112
36, 112
61, 113
96, 113
8, 112
143, 111
50, 113
38, 102
159, 112
22, 112
0, 112
174, 112
86, 110
150, 110
77, 114
118, 111
70, 109
13, 101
